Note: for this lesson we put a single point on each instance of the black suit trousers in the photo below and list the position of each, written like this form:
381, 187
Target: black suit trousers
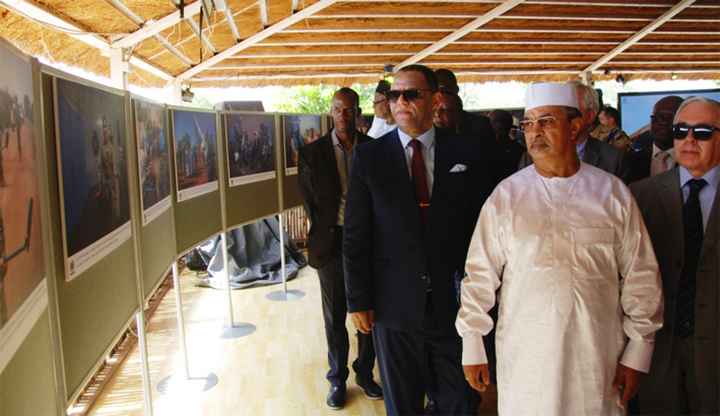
423, 362
334, 305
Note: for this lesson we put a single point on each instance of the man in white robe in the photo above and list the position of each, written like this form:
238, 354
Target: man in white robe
580, 292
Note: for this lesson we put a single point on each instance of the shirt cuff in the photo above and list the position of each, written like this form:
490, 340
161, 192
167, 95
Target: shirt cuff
473, 352
638, 355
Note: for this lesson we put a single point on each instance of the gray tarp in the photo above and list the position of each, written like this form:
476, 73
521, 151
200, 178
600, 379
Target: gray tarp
254, 257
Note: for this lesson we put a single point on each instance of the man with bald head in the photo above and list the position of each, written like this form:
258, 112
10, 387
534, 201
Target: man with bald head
680, 207
590, 150
580, 294
653, 153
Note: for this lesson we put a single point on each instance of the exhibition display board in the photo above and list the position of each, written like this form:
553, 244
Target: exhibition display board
297, 131
28, 362
156, 182
97, 289
194, 144
251, 141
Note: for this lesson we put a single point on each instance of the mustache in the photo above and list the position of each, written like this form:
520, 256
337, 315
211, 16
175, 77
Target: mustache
539, 142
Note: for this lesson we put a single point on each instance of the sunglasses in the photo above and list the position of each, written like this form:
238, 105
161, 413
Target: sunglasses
700, 132
408, 95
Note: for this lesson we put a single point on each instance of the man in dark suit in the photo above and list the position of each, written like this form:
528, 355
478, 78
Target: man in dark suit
680, 208
591, 151
471, 125
324, 166
652, 153
413, 200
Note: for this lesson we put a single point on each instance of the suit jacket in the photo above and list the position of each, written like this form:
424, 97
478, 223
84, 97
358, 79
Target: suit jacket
321, 191
598, 154
639, 157
660, 201
388, 254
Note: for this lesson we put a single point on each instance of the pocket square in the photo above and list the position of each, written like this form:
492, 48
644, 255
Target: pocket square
458, 168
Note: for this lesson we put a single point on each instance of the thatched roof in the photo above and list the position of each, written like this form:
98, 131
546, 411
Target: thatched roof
349, 41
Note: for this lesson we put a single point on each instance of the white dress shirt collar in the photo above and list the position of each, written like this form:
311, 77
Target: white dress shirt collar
427, 138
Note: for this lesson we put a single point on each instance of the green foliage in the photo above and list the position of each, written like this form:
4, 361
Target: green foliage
315, 99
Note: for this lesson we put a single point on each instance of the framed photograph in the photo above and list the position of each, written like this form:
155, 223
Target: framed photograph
195, 133
153, 158
636, 107
22, 262
298, 130
92, 164
251, 156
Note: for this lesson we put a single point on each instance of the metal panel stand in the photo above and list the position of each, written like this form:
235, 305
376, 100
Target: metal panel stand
142, 344
234, 330
285, 294
175, 384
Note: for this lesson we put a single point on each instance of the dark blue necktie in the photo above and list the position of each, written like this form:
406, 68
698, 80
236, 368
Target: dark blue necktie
693, 233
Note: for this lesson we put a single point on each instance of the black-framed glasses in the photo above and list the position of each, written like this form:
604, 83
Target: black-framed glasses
700, 132
376, 102
408, 95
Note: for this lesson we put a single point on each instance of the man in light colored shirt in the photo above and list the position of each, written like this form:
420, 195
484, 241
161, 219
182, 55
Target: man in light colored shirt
590, 150
565, 243
680, 210
323, 170
652, 153
383, 121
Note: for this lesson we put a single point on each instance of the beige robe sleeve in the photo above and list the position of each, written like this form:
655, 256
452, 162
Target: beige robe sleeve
484, 266
641, 290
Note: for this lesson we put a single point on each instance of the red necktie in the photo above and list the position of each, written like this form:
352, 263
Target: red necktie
419, 175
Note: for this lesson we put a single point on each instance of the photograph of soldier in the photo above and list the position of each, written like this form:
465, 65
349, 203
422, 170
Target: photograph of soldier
250, 144
299, 130
195, 148
21, 254
153, 153
91, 135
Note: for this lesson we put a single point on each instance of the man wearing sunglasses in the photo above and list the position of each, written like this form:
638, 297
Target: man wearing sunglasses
680, 208
565, 244
413, 199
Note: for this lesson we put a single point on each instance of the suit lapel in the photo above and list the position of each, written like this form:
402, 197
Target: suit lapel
592, 155
672, 206
399, 177
330, 164
711, 231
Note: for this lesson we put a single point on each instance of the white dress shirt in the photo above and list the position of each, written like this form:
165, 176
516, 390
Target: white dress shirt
662, 160
707, 193
428, 144
343, 158
380, 127
578, 277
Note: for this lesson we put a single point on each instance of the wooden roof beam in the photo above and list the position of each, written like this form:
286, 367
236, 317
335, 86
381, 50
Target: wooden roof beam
682, 5
263, 12
230, 19
258, 37
120, 6
456, 35
155, 27
42, 16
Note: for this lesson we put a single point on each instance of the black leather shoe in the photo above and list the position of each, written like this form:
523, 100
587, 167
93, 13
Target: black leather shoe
336, 397
371, 389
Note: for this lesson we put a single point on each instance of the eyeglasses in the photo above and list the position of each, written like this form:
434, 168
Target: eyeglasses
408, 95
542, 122
379, 101
700, 132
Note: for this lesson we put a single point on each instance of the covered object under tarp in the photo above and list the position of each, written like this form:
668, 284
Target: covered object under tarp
254, 257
